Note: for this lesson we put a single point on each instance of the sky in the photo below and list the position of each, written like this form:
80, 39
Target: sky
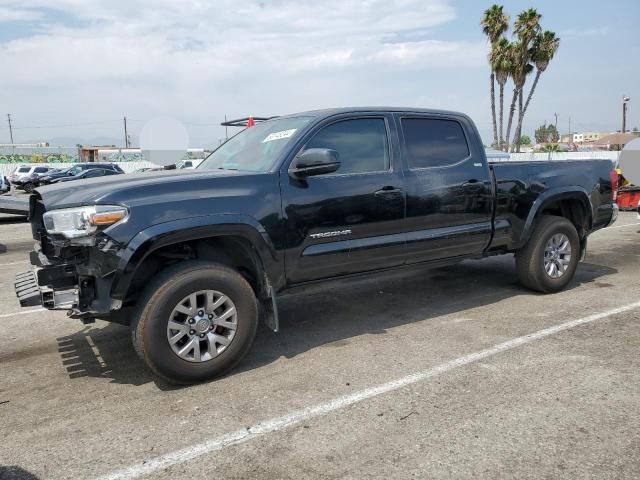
72, 69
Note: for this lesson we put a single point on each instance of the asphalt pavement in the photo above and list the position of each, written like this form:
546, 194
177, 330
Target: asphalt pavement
456, 372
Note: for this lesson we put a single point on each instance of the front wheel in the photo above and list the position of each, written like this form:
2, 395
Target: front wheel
195, 322
28, 187
549, 260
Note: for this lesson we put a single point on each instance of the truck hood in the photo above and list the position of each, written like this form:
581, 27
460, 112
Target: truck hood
130, 189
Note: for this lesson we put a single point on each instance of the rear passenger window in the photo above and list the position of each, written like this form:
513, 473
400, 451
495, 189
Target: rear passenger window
361, 144
431, 142
40, 169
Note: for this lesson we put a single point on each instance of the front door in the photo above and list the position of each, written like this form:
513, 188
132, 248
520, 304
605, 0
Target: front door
352, 220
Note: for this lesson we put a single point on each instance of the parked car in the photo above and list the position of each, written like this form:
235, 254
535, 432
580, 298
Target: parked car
91, 173
188, 164
5, 186
148, 169
190, 259
76, 169
27, 177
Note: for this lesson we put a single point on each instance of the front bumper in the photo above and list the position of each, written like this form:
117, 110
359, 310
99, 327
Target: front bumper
30, 293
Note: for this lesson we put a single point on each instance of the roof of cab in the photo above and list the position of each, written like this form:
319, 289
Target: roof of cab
327, 112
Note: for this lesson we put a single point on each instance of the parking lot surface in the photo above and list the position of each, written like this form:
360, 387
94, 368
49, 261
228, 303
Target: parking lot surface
456, 372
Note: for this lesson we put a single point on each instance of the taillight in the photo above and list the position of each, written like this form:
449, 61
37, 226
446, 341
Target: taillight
614, 183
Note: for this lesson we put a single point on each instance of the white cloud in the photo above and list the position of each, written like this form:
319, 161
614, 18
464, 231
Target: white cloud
17, 15
197, 60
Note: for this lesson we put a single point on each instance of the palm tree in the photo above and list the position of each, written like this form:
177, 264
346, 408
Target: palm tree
519, 75
501, 60
494, 24
545, 46
526, 28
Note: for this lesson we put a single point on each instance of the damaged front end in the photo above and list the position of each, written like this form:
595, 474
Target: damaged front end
74, 260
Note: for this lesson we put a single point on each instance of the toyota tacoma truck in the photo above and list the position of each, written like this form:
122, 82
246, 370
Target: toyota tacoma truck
192, 259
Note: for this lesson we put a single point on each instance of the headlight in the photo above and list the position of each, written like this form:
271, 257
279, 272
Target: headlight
82, 221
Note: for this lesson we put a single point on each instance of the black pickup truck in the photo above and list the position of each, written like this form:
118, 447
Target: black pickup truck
191, 259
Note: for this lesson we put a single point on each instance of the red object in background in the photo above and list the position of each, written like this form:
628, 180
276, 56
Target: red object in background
615, 180
251, 122
628, 199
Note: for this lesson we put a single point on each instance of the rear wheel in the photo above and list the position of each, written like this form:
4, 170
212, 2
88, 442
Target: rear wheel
195, 322
549, 260
28, 187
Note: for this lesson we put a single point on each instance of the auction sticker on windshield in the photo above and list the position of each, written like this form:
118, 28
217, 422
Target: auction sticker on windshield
279, 135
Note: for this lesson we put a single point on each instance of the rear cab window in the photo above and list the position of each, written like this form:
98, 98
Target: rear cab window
433, 142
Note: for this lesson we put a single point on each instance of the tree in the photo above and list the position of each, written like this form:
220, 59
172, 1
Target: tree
547, 134
525, 140
494, 24
544, 48
551, 147
521, 69
525, 28
501, 60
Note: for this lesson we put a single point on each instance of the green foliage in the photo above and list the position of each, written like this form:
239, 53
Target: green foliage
494, 23
544, 48
551, 147
501, 59
547, 133
525, 140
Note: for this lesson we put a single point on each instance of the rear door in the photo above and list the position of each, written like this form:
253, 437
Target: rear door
449, 192
352, 220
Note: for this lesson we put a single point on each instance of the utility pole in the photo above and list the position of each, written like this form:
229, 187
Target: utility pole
10, 128
126, 136
625, 100
556, 115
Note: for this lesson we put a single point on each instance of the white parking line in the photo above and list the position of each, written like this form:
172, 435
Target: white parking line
25, 312
295, 417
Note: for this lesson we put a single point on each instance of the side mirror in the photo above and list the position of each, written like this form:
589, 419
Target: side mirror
314, 161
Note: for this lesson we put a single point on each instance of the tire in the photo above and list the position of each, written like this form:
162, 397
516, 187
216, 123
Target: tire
28, 187
159, 303
530, 260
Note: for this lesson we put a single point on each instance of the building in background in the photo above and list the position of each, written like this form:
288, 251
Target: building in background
587, 137
90, 153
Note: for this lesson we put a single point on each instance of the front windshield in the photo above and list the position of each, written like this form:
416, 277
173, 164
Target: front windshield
255, 149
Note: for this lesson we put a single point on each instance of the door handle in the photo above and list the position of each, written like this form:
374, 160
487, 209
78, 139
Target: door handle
387, 193
473, 186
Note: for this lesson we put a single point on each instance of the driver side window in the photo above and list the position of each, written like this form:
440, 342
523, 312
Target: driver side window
361, 144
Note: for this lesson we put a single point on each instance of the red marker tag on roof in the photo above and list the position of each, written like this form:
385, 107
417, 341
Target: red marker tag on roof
251, 122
